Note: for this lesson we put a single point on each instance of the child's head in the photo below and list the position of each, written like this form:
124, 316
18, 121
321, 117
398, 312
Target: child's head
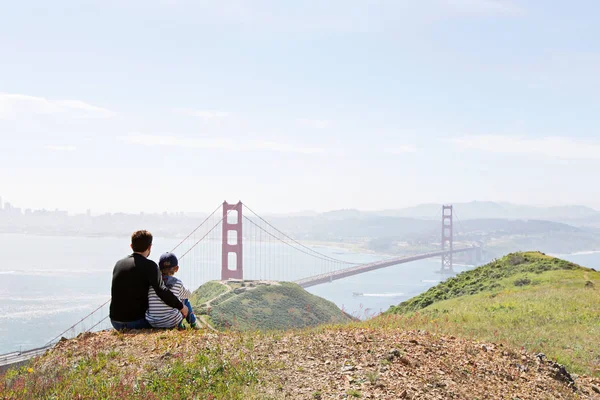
168, 264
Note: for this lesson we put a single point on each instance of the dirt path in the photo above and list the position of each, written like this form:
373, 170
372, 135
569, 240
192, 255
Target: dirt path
229, 289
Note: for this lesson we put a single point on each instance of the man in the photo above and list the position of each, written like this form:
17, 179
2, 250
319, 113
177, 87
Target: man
132, 277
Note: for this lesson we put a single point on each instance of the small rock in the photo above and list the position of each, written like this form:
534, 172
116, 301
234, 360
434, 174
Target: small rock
395, 353
596, 389
348, 368
561, 374
522, 368
405, 361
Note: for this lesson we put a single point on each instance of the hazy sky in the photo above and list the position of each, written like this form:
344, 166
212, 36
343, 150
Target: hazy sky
176, 105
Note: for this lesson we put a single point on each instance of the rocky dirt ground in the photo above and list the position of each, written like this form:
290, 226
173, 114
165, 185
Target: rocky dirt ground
349, 363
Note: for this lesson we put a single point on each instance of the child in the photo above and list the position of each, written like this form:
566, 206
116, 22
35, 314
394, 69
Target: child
160, 315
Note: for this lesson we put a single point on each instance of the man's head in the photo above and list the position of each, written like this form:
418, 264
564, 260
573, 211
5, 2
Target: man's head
141, 242
168, 264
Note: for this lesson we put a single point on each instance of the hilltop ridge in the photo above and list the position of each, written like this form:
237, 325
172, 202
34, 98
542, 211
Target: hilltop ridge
530, 300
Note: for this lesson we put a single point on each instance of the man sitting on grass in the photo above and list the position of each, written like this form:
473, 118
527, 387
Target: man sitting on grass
159, 314
132, 276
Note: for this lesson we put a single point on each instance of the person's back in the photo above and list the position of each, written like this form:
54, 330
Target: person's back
132, 276
129, 289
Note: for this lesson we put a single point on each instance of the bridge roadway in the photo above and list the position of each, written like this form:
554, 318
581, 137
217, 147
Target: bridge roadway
344, 273
18, 358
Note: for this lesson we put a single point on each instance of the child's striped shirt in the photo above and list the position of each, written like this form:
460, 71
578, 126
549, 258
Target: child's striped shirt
160, 315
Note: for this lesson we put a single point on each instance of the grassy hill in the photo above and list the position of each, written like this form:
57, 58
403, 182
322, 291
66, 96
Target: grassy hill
528, 300
261, 305
471, 337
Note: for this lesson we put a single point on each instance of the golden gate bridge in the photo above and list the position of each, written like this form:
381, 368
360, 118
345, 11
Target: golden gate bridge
234, 242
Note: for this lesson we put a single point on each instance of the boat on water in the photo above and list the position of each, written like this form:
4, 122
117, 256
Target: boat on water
356, 294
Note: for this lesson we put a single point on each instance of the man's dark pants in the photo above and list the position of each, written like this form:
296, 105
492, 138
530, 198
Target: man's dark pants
139, 324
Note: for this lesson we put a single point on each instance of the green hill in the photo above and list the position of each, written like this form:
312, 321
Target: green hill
263, 305
528, 300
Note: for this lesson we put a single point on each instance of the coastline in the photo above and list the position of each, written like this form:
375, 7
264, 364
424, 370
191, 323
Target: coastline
577, 253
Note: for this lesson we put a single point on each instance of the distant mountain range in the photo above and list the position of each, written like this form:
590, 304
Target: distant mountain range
571, 214
485, 209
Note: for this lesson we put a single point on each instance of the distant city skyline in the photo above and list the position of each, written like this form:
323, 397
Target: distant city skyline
294, 106
90, 212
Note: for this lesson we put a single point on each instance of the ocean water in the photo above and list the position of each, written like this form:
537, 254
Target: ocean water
48, 283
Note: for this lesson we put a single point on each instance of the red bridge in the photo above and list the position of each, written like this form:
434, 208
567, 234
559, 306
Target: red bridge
234, 242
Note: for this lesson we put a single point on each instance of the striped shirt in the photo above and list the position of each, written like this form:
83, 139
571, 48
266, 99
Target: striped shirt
160, 315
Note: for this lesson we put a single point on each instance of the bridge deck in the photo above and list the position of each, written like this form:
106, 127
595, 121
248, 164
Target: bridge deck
18, 358
344, 273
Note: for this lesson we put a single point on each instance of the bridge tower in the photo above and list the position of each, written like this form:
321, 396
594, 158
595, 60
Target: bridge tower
232, 244
447, 239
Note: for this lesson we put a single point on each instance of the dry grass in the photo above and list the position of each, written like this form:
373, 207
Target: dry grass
324, 363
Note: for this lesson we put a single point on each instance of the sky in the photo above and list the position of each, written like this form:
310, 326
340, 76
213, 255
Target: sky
177, 105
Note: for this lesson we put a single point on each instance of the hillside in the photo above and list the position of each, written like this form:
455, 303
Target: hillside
479, 335
528, 300
263, 305
317, 364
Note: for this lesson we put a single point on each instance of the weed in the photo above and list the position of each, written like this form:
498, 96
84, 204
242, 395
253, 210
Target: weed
372, 376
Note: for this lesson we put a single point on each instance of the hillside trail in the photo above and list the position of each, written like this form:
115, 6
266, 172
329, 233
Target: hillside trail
205, 323
229, 289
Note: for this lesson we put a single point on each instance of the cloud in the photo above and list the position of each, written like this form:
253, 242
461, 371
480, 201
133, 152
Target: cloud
204, 114
409, 148
217, 143
20, 105
555, 147
61, 148
316, 123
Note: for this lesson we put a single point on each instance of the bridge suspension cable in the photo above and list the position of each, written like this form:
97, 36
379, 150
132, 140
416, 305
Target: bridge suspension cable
198, 227
292, 239
314, 253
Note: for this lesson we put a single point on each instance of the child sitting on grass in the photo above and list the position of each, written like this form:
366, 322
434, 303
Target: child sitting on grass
160, 315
